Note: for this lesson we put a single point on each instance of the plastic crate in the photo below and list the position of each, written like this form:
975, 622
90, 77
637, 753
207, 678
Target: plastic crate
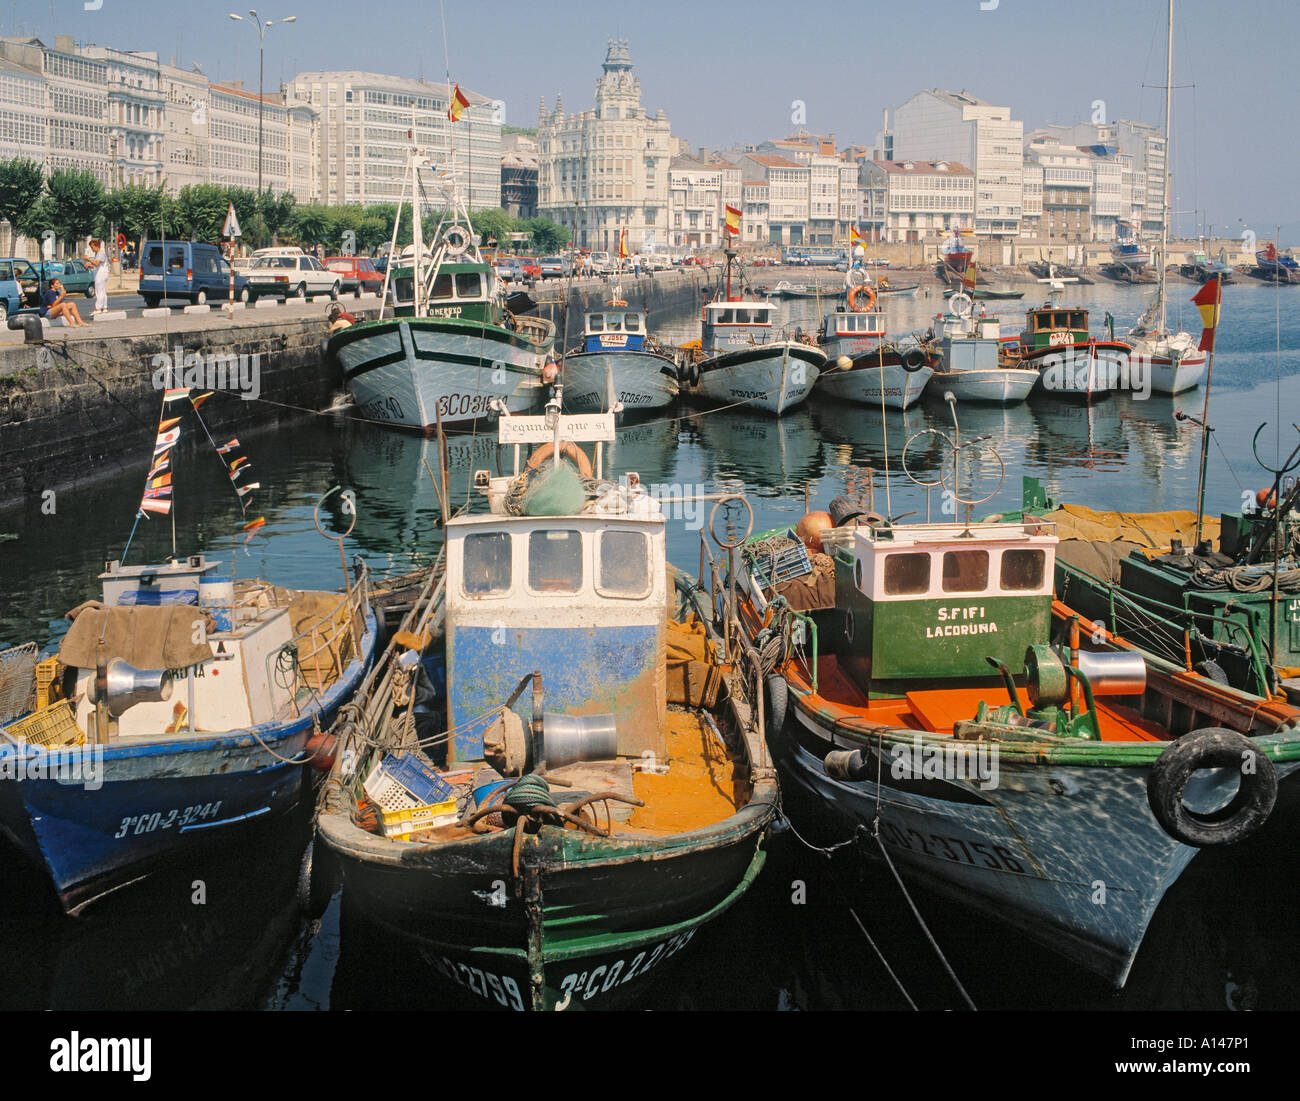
401, 781
402, 823
53, 726
47, 673
789, 563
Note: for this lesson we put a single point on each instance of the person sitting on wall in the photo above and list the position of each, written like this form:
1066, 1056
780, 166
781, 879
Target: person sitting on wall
55, 304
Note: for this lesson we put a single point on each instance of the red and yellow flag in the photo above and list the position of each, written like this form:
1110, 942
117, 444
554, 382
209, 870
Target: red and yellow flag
622, 242
968, 278
733, 221
1207, 300
459, 101
855, 238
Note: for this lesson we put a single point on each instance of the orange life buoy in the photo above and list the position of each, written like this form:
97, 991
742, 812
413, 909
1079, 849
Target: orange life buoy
853, 298
569, 449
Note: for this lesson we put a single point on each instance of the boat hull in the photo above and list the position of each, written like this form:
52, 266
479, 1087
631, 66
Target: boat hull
593, 920
595, 381
772, 377
991, 386
418, 372
891, 384
1080, 372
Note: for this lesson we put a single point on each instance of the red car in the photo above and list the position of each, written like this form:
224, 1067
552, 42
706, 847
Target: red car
532, 267
359, 273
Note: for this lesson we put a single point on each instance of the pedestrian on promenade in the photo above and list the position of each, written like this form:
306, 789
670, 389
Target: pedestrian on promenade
97, 260
55, 304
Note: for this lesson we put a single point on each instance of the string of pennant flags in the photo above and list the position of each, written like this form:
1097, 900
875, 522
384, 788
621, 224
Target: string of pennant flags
157, 497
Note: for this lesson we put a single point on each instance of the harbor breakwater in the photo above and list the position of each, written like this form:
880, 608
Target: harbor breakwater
85, 403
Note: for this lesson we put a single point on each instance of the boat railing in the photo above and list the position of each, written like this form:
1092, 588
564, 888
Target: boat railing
1185, 618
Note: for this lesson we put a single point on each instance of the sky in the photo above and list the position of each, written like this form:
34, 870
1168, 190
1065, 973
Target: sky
730, 72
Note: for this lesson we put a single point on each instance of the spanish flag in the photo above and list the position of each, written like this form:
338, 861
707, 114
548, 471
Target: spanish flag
969, 278
458, 104
622, 242
733, 221
1207, 300
855, 238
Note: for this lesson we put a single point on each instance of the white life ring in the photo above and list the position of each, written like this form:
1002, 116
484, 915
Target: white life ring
456, 240
961, 304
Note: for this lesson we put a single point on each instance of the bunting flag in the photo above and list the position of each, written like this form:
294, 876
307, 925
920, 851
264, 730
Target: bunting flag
160, 481
235, 464
459, 102
165, 441
175, 395
245, 490
149, 505
156, 498
158, 467
1207, 300
250, 529
733, 221
200, 399
227, 448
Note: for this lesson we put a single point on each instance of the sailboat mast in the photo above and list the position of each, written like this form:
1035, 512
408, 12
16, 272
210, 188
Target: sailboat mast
1169, 164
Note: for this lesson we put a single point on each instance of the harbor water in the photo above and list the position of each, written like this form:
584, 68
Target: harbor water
223, 931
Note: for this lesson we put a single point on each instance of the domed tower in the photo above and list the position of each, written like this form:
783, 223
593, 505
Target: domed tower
618, 92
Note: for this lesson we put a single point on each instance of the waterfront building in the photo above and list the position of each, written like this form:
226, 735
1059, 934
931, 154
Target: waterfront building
1145, 143
694, 204
366, 125
958, 127
1067, 188
606, 168
135, 115
922, 200
519, 175
788, 190
23, 120
754, 211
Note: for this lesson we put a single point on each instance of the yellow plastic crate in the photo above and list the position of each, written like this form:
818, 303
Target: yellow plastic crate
47, 673
402, 823
53, 726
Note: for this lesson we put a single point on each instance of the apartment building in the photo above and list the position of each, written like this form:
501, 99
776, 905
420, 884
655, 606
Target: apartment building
958, 127
922, 200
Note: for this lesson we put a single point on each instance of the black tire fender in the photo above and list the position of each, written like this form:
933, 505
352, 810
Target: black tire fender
913, 360
318, 876
778, 693
1212, 747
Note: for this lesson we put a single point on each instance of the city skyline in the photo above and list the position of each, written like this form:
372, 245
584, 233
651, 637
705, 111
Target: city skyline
1052, 78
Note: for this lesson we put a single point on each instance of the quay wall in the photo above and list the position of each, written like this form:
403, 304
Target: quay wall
83, 405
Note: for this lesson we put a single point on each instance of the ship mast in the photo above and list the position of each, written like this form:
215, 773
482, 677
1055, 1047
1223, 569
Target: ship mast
1169, 168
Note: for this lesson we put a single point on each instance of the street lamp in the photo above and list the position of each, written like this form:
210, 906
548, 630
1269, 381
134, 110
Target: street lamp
262, 28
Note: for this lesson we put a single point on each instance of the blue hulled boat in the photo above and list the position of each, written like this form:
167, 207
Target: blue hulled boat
617, 366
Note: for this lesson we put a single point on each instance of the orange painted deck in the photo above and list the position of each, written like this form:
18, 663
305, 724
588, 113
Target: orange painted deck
938, 710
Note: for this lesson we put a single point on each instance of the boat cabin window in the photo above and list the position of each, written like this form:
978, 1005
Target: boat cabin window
624, 563
907, 574
469, 284
633, 323
1060, 321
742, 317
1022, 570
725, 317
486, 564
441, 286
613, 323
1078, 320
965, 571
596, 322
555, 561
403, 288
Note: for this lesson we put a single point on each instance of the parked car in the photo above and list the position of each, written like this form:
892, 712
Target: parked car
510, 269
73, 274
555, 267
290, 275
191, 270
532, 267
603, 264
359, 273
20, 286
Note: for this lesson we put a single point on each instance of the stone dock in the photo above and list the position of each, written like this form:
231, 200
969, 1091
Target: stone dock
85, 403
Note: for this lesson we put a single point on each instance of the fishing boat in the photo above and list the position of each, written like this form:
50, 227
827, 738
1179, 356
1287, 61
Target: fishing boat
534, 815
955, 254
1215, 601
903, 290
971, 367
866, 366
786, 289
1072, 363
1274, 266
740, 360
618, 365
445, 349
987, 740
181, 706
981, 293
1173, 360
